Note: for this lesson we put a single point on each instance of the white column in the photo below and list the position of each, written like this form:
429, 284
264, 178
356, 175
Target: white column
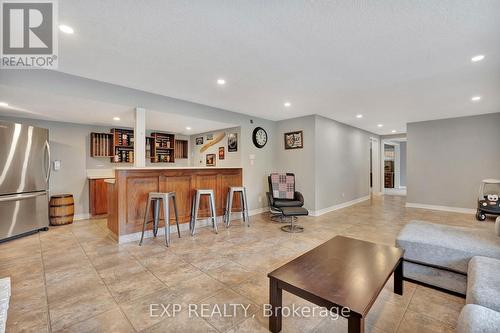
140, 138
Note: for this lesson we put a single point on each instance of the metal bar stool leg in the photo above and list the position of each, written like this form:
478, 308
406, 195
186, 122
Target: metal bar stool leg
146, 216
230, 206
166, 212
213, 212
245, 205
176, 216
192, 213
156, 216
226, 210
195, 215
242, 204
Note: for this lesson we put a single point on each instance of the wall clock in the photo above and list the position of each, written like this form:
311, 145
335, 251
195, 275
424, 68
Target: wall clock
259, 137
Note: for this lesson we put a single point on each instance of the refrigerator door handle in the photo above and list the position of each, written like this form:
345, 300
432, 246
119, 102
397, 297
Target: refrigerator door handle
48, 169
16, 197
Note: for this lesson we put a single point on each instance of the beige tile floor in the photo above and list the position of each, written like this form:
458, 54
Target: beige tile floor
76, 279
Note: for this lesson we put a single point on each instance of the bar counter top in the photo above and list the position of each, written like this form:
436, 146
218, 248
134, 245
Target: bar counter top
172, 168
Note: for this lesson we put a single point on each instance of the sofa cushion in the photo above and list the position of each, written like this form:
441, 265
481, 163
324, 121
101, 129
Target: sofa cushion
483, 282
478, 319
446, 246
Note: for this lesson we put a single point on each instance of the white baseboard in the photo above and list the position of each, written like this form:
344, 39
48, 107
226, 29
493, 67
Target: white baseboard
441, 208
202, 223
82, 216
339, 206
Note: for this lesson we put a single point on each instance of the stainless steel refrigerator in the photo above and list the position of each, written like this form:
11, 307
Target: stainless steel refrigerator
24, 179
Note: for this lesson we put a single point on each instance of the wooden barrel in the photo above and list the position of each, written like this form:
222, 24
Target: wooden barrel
61, 209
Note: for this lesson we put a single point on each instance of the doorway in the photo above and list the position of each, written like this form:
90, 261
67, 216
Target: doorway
394, 166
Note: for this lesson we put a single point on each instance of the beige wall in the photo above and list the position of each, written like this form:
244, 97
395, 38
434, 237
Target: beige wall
231, 159
448, 158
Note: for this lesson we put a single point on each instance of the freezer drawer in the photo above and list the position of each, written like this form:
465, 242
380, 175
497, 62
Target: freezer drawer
21, 213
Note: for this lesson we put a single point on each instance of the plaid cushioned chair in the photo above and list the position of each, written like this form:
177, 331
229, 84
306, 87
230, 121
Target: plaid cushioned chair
282, 191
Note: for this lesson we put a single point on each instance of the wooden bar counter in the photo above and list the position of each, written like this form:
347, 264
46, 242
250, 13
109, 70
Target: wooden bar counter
128, 194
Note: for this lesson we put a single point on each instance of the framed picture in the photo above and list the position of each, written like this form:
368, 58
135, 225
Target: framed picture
210, 159
222, 153
199, 140
232, 142
210, 137
294, 140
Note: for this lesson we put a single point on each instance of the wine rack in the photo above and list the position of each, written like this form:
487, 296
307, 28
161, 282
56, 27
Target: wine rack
162, 148
101, 145
123, 145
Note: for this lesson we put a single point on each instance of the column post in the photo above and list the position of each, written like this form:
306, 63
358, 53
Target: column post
140, 137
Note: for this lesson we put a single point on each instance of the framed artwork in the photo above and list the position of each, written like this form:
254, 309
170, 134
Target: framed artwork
199, 140
210, 137
232, 142
294, 140
222, 153
210, 160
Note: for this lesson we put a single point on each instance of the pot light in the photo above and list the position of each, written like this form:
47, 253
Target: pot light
393, 131
476, 98
188, 128
221, 82
477, 58
380, 125
287, 104
116, 118
359, 116
66, 29
3, 104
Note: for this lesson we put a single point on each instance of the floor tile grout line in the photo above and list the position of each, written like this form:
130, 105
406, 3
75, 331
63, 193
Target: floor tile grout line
425, 315
49, 324
218, 292
406, 309
104, 282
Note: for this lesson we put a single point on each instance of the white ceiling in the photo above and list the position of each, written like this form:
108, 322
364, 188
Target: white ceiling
47, 106
394, 61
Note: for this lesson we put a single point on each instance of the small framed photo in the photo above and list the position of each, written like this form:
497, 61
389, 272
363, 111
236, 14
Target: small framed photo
294, 140
199, 140
232, 142
210, 137
222, 153
210, 160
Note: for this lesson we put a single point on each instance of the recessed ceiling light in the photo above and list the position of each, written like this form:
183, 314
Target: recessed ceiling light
221, 82
380, 125
3, 104
116, 118
476, 98
188, 128
359, 116
477, 58
287, 104
393, 131
66, 29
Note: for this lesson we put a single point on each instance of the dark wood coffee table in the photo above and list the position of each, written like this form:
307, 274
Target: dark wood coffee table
343, 274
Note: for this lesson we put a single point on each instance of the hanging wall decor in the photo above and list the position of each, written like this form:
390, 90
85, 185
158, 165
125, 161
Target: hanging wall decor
294, 140
232, 142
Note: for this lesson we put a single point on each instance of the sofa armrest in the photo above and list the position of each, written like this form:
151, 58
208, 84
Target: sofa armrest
299, 197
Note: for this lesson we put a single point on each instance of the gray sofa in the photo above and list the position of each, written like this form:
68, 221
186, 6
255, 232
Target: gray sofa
464, 261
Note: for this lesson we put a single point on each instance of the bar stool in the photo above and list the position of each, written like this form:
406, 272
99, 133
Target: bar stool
196, 205
229, 204
156, 198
